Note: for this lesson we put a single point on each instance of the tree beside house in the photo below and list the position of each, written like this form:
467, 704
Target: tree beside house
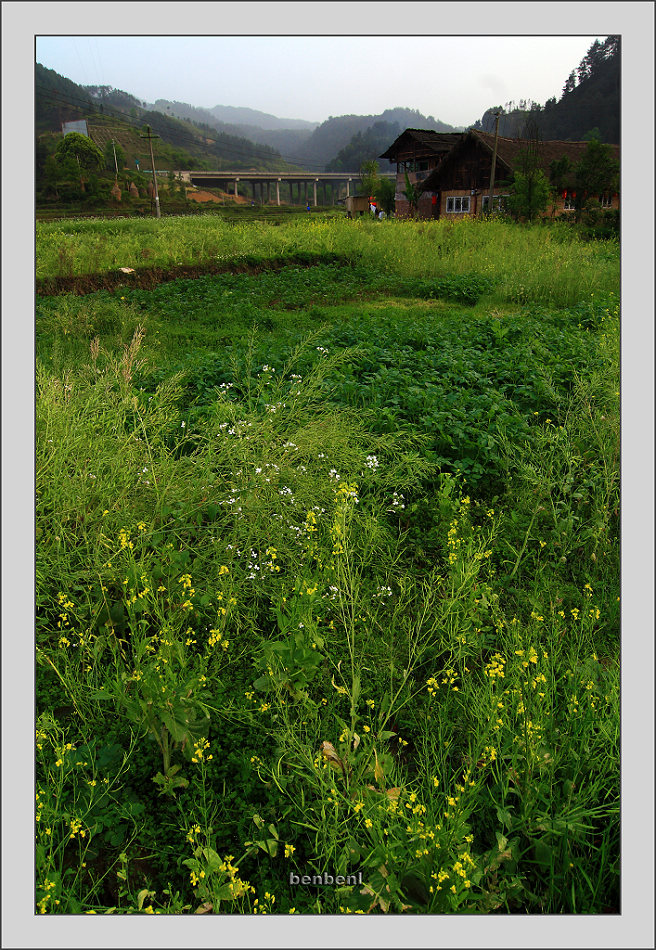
416, 153
532, 178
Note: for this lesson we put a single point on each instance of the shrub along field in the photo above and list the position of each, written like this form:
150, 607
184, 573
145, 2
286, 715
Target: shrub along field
328, 569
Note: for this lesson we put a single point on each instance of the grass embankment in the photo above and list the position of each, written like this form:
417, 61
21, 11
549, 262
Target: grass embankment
328, 573
541, 264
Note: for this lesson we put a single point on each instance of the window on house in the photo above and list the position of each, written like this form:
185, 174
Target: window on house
568, 204
457, 205
499, 203
606, 200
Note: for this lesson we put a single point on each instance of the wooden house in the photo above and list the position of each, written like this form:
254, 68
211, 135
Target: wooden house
460, 184
417, 152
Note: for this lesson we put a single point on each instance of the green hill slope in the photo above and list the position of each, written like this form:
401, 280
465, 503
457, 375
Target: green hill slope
115, 114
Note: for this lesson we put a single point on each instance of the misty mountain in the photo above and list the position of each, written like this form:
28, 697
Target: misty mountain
367, 145
181, 143
235, 115
288, 141
182, 110
267, 133
273, 133
261, 141
314, 146
337, 133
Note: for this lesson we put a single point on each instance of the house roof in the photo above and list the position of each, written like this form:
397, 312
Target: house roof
508, 152
426, 138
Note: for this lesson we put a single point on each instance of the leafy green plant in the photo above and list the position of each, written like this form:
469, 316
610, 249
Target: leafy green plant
341, 542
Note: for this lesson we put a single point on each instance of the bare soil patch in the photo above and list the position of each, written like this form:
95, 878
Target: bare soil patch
148, 277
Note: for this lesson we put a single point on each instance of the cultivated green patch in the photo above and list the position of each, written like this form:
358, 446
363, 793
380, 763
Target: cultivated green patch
328, 576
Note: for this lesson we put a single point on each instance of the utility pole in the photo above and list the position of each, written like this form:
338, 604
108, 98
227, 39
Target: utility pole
497, 116
115, 162
149, 135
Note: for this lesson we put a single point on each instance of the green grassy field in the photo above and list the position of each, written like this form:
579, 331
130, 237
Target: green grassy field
327, 570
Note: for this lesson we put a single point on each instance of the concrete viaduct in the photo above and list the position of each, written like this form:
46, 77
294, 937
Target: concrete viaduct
228, 180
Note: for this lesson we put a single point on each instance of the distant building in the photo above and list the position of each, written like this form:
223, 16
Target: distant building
79, 126
460, 185
417, 152
452, 171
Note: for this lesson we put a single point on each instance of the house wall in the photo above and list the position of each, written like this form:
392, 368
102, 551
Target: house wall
474, 202
470, 172
401, 207
466, 171
558, 206
418, 161
427, 211
475, 195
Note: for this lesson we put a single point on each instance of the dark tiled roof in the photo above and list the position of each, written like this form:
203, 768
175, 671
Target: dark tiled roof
508, 152
436, 141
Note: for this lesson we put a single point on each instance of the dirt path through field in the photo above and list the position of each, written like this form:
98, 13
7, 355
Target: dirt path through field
148, 277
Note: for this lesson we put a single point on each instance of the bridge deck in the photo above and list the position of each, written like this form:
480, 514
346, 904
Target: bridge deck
300, 181
276, 176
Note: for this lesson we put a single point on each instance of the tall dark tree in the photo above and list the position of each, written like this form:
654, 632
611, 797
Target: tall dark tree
385, 195
368, 178
597, 172
530, 186
570, 84
561, 173
589, 62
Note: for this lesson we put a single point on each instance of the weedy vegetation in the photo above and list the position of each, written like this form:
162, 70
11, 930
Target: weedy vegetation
327, 570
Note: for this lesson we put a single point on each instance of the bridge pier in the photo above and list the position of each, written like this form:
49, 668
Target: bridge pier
295, 185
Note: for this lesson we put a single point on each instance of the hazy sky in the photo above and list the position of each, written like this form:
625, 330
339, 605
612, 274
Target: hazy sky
453, 78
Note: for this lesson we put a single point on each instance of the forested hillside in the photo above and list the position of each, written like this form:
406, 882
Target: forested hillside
340, 134
181, 144
589, 103
365, 146
201, 139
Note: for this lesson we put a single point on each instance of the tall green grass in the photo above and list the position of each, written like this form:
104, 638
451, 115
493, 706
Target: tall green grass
538, 263
273, 637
